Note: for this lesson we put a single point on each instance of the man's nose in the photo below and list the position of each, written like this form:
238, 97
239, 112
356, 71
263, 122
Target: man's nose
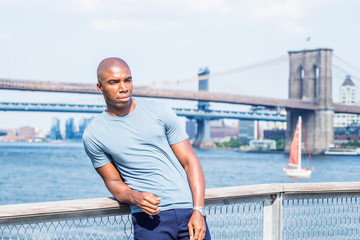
122, 87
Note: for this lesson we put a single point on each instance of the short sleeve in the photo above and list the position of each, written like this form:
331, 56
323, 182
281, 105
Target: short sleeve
96, 154
174, 130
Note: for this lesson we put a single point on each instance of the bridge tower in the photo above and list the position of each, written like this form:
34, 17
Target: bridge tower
311, 80
203, 137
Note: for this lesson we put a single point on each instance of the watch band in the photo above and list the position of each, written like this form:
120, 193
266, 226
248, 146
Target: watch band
200, 209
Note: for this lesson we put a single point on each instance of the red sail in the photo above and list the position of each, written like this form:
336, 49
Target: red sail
294, 151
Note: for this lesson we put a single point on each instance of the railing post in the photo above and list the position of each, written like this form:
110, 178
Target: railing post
272, 222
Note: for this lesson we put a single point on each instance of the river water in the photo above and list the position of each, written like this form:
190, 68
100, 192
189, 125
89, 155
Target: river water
39, 172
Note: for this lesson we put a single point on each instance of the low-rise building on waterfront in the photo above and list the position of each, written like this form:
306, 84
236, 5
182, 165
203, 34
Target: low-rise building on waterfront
220, 130
262, 145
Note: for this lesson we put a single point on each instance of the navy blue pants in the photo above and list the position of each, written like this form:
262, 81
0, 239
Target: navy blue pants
168, 224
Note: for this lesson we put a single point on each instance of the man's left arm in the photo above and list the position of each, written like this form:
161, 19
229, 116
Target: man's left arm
188, 159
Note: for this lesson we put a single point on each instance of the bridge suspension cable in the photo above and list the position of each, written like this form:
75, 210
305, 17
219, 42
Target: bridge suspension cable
340, 73
347, 63
346, 72
268, 62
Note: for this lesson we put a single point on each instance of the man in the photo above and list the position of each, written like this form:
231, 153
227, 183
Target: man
145, 158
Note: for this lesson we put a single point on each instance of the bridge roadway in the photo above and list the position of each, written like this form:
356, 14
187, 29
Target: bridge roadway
174, 94
184, 112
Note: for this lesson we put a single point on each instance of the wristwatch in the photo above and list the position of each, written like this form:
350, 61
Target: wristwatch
200, 209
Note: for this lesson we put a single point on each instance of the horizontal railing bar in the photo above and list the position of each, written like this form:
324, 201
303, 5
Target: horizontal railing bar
235, 200
275, 188
323, 195
242, 191
59, 210
290, 188
10, 214
61, 216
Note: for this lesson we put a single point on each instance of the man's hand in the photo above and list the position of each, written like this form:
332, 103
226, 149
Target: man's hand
147, 202
197, 226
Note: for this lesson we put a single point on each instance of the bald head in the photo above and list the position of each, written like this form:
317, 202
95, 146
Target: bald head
108, 65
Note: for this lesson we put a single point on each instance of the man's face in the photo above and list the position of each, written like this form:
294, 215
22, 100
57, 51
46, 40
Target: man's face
116, 86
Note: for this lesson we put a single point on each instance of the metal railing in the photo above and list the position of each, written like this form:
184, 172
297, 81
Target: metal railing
267, 211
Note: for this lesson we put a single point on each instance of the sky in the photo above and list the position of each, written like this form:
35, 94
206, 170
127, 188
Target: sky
168, 40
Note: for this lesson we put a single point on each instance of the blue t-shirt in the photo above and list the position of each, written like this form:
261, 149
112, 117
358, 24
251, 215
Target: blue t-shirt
139, 145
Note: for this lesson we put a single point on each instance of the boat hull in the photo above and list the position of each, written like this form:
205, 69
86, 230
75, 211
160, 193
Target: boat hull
343, 152
300, 173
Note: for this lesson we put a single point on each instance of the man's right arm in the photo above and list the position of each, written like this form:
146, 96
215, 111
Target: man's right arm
147, 202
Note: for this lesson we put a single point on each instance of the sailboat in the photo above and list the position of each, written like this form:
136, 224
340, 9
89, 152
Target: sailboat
294, 168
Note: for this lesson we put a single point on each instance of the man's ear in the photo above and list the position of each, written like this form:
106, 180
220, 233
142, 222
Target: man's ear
99, 87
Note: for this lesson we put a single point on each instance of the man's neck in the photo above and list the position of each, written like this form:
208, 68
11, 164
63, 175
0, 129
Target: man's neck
120, 112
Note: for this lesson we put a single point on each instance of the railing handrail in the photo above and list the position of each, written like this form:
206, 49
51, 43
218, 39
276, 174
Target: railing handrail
275, 188
99, 206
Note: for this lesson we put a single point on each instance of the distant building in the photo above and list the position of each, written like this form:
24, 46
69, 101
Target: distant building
347, 96
26, 133
274, 125
3, 132
191, 128
344, 134
10, 136
69, 129
219, 130
274, 134
40, 135
12, 132
246, 131
55, 129
71, 132
269, 125
21, 134
262, 145
84, 122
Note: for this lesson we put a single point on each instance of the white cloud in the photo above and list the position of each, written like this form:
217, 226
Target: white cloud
354, 28
173, 24
116, 25
90, 6
198, 6
292, 27
181, 42
22, 3
84, 5
202, 6
289, 9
